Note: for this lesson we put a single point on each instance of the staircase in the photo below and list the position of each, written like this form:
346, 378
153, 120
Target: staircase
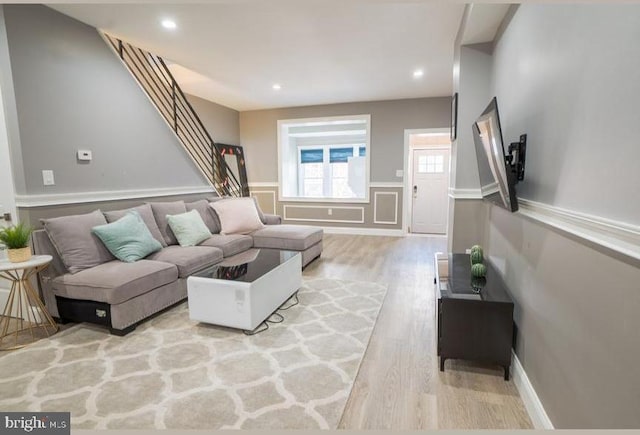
154, 77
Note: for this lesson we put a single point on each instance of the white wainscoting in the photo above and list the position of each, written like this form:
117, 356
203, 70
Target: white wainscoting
375, 208
327, 218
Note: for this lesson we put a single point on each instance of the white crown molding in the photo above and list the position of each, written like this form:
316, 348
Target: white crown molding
464, 193
617, 236
44, 200
529, 397
358, 231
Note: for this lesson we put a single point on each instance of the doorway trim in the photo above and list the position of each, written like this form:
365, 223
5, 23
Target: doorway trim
406, 204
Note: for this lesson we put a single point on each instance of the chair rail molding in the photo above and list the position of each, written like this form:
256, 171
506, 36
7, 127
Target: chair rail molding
464, 193
620, 237
44, 200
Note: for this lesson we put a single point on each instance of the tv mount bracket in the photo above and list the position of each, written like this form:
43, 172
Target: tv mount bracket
516, 158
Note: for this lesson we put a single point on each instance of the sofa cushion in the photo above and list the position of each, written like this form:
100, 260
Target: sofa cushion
147, 216
128, 238
115, 282
231, 244
207, 215
291, 237
261, 215
78, 247
188, 259
213, 213
237, 215
189, 228
160, 212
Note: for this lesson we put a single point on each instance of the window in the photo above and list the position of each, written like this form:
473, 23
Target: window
324, 159
430, 164
324, 170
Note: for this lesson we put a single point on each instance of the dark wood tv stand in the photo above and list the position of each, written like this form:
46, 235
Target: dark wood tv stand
473, 324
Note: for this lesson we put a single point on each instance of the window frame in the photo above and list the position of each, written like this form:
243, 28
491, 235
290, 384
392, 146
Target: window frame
284, 124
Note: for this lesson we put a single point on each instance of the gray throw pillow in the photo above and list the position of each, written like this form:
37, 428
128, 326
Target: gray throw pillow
160, 212
147, 217
78, 247
206, 213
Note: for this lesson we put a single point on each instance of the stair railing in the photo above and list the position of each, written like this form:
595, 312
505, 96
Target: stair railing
154, 76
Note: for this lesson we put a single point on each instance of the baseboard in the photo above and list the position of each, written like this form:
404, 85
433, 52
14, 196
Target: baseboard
531, 401
363, 231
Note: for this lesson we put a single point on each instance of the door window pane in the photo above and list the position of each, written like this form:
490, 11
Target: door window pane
422, 164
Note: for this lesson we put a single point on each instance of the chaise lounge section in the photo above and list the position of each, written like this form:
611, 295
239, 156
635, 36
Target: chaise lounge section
120, 295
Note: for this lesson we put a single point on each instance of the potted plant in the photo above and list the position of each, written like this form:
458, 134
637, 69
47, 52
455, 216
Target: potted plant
16, 241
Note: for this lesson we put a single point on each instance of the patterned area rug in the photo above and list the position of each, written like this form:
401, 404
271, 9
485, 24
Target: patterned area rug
179, 374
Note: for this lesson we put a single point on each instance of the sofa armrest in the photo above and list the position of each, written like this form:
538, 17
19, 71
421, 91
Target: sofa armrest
272, 219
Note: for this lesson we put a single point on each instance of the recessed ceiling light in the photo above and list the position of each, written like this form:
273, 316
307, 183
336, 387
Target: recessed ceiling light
169, 24
418, 73
276, 87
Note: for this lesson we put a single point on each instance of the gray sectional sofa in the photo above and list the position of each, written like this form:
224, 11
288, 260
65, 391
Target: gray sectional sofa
120, 295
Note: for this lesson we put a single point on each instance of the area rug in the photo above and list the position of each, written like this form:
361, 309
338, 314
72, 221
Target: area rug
175, 373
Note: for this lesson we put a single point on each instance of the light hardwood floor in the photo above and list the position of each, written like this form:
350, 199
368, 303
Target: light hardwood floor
399, 385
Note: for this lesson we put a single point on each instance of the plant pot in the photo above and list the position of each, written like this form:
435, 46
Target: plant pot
19, 255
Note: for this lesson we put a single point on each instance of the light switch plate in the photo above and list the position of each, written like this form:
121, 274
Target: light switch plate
399, 173
47, 178
84, 155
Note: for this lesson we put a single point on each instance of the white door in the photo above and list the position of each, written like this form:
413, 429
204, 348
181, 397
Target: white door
430, 191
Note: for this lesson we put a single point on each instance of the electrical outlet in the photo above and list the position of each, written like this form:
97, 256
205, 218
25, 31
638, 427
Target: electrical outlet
330, 212
399, 173
467, 251
47, 178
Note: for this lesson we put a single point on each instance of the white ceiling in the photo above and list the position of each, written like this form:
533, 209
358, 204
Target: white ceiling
319, 52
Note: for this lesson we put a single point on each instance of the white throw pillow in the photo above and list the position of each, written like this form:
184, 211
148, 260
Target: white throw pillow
237, 215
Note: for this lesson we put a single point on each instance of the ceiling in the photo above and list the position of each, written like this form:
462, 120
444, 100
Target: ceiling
319, 52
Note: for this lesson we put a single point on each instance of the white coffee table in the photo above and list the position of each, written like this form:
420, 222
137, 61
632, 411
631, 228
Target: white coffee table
243, 291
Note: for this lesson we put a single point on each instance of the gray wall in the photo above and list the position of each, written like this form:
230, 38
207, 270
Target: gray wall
574, 89
389, 119
222, 123
474, 74
567, 75
72, 93
9, 105
475, 81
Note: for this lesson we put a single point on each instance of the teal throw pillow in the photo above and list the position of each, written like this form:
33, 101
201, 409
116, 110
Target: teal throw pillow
128, 238
189, 228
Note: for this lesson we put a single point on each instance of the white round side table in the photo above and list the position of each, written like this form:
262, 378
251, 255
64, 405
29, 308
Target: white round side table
25, 317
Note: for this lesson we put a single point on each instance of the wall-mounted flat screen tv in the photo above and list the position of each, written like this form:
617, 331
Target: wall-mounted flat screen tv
498, 171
